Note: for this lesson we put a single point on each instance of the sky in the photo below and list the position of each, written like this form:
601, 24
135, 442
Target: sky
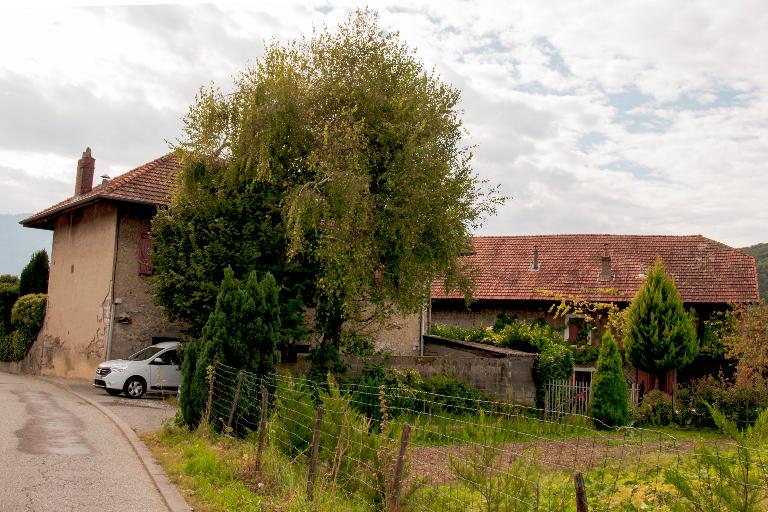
641, 117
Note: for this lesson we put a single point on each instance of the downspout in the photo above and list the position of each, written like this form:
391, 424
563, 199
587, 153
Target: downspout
112, 286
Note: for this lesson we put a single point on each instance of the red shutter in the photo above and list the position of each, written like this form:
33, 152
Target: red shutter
145, 255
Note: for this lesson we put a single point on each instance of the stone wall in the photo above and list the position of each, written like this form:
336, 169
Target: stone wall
137, 319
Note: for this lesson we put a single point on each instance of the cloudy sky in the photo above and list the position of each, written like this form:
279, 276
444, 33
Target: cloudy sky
594, 116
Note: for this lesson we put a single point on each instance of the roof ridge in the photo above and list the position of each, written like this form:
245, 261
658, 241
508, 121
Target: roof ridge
134, 173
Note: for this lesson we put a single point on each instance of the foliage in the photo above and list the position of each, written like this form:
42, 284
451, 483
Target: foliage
747, 342
363, 149
609, 402
216, 222
9, 293
34, 277
476, 334
722, 481
27, 318
740, 404
760, 252
659, 334
655, 410
606, 314
242, 332
555, 362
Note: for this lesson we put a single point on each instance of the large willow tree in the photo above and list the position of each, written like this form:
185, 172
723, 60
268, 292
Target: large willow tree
361, 148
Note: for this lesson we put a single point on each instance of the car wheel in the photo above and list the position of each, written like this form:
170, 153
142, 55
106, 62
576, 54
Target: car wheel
114, 392
134, 387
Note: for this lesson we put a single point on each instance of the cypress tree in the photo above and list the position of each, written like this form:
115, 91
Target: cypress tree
609, 402
660, 335
34, 277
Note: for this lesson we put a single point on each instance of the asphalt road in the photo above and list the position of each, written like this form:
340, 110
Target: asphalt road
58, 453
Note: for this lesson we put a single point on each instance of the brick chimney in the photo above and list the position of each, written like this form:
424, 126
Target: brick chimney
535, 265
605, 272
85, 168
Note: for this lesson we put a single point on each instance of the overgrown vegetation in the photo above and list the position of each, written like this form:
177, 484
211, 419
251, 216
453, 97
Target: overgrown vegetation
22, 315
34, 276
360, 200
760, 252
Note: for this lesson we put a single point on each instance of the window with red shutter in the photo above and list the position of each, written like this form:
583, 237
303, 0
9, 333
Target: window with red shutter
145, 255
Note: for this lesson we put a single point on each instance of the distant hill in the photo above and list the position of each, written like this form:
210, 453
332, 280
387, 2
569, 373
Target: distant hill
760, 252
17, 243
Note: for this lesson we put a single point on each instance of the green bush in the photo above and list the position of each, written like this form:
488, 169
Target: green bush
242, 332
28, 313
9, 293
609, 402
476, 334
655, 410
34, 277
554, 363
740, 405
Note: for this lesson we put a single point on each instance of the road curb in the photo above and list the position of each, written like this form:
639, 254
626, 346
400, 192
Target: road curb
171, 496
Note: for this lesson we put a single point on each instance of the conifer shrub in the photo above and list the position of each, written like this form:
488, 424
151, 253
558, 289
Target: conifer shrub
242, 332
27, 316
34, 277
609, 402
9, 293
659, 335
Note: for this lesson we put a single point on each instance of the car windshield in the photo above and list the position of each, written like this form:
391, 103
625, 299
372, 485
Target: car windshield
142, 355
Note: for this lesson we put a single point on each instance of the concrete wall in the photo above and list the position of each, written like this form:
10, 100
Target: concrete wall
137, 318
509, 378
73, 338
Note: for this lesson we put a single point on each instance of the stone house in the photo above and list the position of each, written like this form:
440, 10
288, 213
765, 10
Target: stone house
523, 276
99, 303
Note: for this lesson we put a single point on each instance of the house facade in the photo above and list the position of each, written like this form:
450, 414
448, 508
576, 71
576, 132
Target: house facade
99, 302
525, 276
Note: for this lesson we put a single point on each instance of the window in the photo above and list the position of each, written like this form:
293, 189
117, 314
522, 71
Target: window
577, 332
145, 254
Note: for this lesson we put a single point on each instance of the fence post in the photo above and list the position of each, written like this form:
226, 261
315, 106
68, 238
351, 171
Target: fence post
262, 423
398, 482
313, 457
211, 376
581, 493
235, 399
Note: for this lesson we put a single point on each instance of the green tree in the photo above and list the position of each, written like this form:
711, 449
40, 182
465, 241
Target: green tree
34, 277
609, 402
242, 332
659, 334
363, 148
9, 293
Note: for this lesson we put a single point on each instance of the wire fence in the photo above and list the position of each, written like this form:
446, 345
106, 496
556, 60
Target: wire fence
399, 448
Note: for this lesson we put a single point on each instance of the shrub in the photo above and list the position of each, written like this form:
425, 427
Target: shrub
476, 334
9, 293
28, 313
554, 363
660, 334
609, 402
739, 404
242, 332
34, 277
655, 410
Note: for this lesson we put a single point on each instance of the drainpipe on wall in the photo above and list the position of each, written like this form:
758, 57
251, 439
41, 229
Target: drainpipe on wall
112, 300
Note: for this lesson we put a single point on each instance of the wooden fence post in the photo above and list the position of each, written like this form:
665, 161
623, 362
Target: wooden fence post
235, 399
581, 493
262, 423
313, 457
398, 482
211, 375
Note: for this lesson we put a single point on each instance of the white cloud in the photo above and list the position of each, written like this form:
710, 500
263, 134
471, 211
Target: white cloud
671, 101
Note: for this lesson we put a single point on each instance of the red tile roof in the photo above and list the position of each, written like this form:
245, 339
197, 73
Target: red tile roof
149, 184
705, 271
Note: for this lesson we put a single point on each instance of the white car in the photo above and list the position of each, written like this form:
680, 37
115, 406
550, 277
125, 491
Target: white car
155, 368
